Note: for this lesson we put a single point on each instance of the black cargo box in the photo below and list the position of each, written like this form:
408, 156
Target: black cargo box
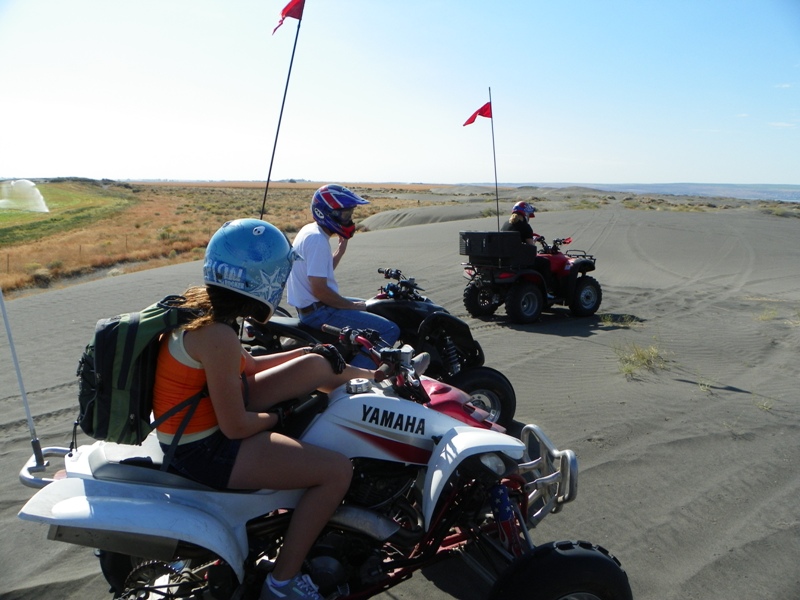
495, 248
488, 243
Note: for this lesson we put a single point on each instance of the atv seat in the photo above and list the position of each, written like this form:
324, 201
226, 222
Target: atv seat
142, 464
137, 464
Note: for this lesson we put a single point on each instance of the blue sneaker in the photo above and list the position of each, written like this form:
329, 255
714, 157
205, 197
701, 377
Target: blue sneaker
300, 587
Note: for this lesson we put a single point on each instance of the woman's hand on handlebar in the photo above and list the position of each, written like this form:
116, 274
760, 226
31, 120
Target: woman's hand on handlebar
332, 355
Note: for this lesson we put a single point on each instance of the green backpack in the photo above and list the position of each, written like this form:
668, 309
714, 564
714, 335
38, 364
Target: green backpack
117, 373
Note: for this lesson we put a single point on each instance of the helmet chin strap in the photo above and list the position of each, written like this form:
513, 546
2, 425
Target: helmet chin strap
262, 318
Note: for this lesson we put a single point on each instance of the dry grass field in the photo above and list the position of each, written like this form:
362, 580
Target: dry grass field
99, 225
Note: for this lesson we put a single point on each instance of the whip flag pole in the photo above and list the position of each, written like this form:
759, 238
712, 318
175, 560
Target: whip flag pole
486, 111
37, 447
22, 195
294, 10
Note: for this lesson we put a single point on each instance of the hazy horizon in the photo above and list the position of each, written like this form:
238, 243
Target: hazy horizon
778, 192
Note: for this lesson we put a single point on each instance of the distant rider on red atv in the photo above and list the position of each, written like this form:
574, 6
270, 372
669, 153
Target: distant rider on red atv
521, 212
518, 221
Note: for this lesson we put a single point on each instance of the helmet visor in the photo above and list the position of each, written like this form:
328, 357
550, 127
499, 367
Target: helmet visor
344, 216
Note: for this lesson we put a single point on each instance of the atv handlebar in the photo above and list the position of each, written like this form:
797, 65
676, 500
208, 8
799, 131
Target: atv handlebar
552, 249
390, 361
405, 286
365, 338
391, 273
362, 339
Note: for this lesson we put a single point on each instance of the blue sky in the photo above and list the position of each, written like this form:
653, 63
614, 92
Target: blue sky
584, 91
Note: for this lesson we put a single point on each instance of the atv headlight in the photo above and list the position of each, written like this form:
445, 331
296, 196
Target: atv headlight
494, 463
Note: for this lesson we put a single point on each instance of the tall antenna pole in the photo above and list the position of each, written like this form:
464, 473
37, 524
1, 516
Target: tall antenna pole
494, 158
280, 118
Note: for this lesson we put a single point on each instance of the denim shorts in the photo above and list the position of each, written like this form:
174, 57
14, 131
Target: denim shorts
208, 461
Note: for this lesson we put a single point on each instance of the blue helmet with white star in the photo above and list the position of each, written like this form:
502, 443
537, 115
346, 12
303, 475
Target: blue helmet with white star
251, 257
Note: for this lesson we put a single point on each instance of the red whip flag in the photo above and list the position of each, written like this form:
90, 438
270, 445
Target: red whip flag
294, 10
483, 111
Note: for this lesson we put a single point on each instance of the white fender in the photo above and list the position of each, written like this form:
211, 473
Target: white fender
456, 445
213, 520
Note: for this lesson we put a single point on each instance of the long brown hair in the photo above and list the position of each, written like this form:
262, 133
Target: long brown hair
220, 305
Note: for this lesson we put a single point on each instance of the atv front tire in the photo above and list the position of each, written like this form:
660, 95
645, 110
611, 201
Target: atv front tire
489, 390
564, 571
587, 297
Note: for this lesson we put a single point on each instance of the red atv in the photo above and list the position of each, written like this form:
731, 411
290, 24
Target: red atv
503, 270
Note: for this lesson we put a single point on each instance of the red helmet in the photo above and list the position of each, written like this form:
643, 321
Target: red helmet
524, 209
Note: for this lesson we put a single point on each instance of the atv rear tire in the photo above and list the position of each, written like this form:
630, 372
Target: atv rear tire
524, 302
479, 300
564, 571
489, 390
587, 297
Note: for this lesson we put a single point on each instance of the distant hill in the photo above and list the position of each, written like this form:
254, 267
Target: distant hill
782, 193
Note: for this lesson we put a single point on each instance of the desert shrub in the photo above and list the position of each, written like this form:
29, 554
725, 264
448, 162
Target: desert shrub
633, 358
42, 278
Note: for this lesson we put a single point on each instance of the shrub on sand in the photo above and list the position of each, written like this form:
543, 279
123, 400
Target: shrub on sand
633, 358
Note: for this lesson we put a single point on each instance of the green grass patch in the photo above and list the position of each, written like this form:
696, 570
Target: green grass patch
73, 205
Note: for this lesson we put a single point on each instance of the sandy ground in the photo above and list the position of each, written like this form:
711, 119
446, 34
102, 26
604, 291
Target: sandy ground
688, 471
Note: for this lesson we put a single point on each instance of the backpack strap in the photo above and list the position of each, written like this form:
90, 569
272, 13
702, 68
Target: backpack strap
192, 403
127, 351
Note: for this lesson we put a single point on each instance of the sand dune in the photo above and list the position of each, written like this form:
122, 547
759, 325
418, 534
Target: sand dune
688, 470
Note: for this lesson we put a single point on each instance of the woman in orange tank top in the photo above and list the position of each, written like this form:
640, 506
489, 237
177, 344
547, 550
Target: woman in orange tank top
228, 442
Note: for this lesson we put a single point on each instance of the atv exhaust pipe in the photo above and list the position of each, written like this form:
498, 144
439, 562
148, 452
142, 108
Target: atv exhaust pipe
374, 525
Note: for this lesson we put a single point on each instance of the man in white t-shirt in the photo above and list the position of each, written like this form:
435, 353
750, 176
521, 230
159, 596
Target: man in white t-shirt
312, 287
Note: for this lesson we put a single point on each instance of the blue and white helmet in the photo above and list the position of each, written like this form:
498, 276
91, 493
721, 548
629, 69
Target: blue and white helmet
251, 257
332, 207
